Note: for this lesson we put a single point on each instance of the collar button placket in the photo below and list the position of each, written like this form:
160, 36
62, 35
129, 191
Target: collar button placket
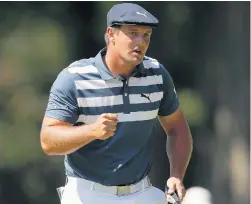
126, 97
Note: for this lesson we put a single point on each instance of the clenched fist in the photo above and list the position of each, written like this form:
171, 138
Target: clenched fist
105, 126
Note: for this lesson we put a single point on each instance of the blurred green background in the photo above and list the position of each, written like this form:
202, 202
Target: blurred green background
204, 45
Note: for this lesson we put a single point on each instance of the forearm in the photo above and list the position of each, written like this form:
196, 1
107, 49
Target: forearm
179, 149
61, 140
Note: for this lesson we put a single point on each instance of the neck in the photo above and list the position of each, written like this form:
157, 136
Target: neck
116, 64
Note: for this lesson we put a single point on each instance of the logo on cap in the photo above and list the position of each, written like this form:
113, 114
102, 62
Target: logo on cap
143, 14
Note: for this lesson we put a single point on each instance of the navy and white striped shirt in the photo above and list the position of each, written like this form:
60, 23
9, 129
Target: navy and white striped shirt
86, 89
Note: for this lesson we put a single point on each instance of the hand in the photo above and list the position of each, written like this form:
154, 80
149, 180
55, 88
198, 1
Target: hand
175, 184
105, 126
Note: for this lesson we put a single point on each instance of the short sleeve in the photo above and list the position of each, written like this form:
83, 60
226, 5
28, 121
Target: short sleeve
170, 101
62, 103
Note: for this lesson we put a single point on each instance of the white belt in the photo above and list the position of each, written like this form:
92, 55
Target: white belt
115, 190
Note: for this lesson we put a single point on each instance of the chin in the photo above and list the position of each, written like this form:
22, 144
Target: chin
137, 61
134, 60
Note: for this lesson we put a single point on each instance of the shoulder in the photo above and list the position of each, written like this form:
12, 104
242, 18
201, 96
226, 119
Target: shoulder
81, 66
149, 62
75, 68
154, 66
68, 75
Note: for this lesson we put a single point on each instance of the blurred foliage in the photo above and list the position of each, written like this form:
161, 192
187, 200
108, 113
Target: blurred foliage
30, 58
192, 107
204, 46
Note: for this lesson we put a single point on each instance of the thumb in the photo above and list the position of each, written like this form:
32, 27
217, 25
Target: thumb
171, 187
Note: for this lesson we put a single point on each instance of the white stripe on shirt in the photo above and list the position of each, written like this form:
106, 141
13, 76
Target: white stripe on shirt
97, 84
151, 64
83, 70
138, 116
133, 116
100, 101
146, 81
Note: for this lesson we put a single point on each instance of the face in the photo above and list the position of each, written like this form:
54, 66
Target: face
131, 42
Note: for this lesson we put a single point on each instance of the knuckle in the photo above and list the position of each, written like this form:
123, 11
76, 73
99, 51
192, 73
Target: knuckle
170, 184
103, 115
109, 115
104, 121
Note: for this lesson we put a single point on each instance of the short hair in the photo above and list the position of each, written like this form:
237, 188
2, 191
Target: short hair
106, 38
114, 28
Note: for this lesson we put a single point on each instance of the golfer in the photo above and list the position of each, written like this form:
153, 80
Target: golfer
101, 113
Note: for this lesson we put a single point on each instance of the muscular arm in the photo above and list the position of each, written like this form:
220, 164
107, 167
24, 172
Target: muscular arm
60, 138
179, 142
58, 135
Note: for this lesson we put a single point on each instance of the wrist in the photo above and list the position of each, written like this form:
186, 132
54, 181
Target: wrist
91, 130
176, 175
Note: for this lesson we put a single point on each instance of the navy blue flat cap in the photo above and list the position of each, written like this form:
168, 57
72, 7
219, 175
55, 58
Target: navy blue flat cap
132, 14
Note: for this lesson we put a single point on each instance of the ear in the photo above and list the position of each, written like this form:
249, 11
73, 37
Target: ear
110, 33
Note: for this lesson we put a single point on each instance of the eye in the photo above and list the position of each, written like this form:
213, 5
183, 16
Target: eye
133, 33
147, 35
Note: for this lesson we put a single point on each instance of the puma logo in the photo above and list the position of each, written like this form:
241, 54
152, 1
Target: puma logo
143, 14
147, 97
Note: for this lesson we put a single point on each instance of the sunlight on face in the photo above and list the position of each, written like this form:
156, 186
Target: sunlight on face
132, 41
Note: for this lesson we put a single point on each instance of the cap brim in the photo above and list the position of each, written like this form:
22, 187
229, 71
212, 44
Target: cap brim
153, 25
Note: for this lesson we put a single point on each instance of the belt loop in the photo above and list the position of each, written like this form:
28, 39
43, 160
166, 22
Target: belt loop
117, 190
142, 184
92, 186
66, 180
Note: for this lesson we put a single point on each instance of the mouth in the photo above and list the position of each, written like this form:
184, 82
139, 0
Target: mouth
137, 51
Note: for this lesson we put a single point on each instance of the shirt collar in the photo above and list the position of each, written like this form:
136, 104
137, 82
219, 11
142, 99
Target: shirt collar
105, 72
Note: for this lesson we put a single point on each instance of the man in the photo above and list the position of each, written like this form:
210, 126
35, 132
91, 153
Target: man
101, 113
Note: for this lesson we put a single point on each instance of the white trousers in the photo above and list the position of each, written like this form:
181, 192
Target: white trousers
80, 191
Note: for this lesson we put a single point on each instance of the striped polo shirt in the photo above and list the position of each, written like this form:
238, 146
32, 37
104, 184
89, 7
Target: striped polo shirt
86, 89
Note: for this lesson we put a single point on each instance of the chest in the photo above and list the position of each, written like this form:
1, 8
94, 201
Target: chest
134, 99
